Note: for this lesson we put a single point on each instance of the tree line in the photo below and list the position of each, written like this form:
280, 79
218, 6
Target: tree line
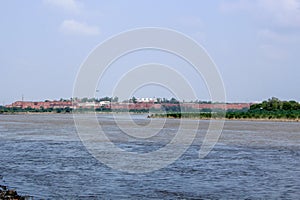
272, 108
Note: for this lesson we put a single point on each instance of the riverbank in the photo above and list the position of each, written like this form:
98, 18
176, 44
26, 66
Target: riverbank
63, 113
262, 119
197, 116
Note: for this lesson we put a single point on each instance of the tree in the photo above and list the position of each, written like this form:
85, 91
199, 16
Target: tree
294, 105
134, 100
274, 103
256, 106
286, 105
106, 99
85, 99
115, 99
173, 100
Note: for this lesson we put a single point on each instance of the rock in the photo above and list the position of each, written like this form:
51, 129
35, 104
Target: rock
3, 187
9, 194
12, 192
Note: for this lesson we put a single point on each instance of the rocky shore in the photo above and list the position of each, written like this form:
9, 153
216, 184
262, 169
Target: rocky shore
9, 194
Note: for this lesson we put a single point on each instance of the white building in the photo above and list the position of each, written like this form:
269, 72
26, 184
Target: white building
146, 100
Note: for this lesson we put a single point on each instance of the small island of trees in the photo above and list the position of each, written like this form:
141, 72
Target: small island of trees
271, 109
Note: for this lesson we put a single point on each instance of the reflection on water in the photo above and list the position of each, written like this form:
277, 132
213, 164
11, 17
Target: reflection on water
42, 156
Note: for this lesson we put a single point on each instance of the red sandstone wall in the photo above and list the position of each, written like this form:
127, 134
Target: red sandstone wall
64, 104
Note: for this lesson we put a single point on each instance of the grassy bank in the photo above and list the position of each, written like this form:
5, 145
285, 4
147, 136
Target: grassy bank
237, 115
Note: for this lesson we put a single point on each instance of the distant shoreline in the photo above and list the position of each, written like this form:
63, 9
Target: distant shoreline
199, 117
242, 119
160, 116
69, 113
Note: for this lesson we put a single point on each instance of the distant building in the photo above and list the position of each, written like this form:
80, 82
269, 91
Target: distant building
39, 105
104, 103
146, 100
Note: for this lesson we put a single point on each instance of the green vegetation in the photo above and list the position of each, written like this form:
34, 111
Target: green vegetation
4, 110
262, 114
271, 109
274, 104
194, 115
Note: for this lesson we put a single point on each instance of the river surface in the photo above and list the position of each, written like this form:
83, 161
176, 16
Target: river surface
42, 156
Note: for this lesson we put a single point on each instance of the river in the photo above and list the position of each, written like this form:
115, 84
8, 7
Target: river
41, 155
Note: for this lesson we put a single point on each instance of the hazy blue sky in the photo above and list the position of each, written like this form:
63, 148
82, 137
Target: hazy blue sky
255, 43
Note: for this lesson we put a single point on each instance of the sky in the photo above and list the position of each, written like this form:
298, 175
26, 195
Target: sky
255, 45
